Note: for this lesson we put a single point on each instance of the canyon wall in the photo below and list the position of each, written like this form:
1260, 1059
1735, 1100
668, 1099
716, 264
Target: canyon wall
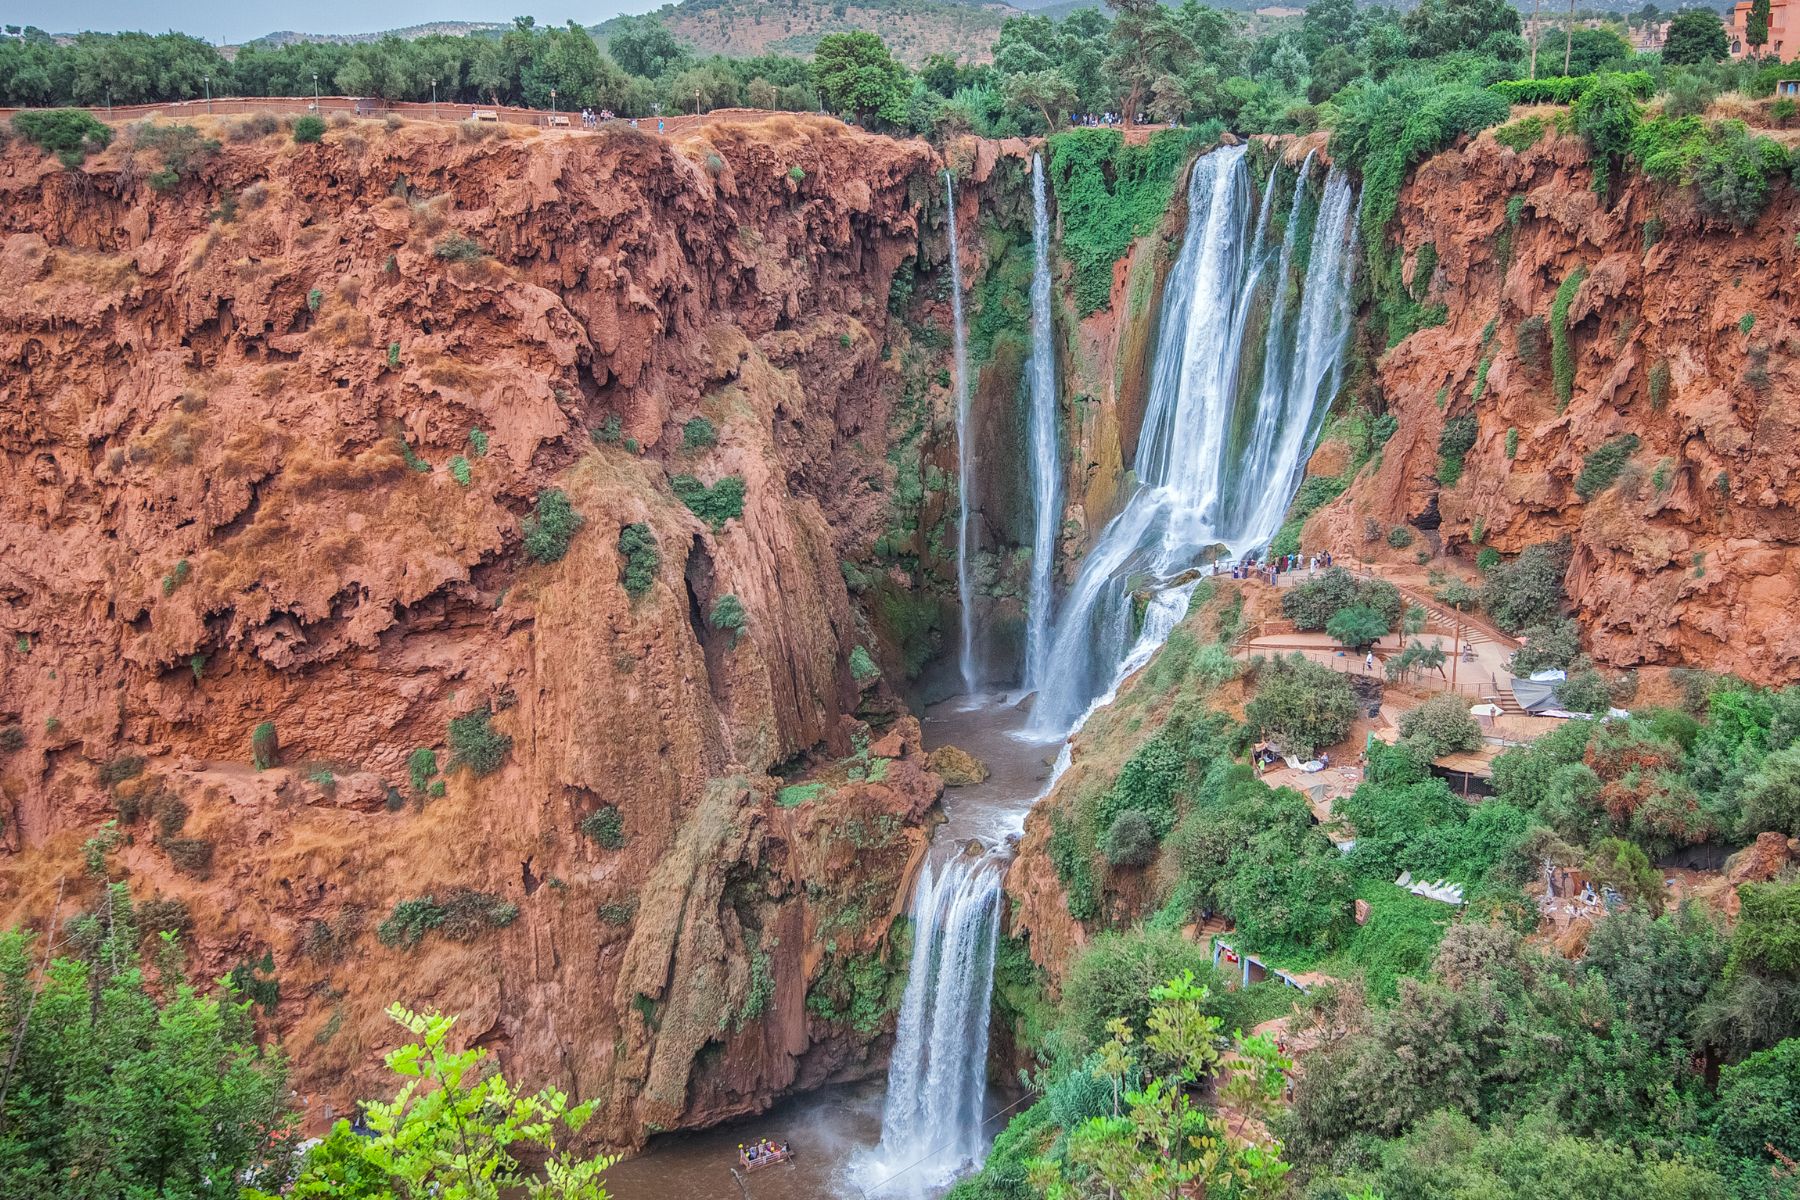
1678, 336
273, 441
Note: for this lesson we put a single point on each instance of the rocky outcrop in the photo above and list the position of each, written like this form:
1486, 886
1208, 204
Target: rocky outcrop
273, 439
1680, 332
957, 766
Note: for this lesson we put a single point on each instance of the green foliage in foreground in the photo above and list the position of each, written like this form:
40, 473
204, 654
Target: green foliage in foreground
452, 1131
121, 1085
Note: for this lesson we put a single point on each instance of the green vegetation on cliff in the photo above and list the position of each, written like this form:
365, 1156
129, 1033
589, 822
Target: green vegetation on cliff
1110, 192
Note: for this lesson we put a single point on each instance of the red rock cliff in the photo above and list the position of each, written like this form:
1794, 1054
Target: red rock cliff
1681, 333
269, 443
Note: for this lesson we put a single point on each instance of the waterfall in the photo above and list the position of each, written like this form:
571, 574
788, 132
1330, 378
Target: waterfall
965, 450
931, 1126
1222, 446
1046, 465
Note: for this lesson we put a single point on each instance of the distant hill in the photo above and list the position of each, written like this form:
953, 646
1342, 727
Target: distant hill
913, 29
288, 37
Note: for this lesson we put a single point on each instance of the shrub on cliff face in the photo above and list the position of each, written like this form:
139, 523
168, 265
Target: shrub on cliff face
728, 613
1562, 351
69, 133
548, 530
1734, 172
464, 915
715, 505
1454, 444
1130, 842
606, 826
1529, 589
265, 747
1549, 646
862, 665
477, 744
1601, 468
309, 129
638, 547
698, 434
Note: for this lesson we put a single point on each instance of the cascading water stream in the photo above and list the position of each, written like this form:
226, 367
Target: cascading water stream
965, 450
1044, 462
937, 1077
1198, 490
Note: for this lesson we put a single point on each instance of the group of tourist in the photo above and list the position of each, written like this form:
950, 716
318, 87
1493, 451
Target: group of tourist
591, 119
1271, 570
762, 1150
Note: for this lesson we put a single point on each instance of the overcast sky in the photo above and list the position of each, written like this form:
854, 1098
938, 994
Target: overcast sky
236, 21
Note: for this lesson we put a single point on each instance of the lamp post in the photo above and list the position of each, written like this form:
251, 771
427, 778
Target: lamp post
315, 76
696, 102
434, 99
109, 99
208, 79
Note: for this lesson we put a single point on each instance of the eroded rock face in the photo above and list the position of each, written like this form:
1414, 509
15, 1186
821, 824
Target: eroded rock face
271, 442
958, 767
1682, 334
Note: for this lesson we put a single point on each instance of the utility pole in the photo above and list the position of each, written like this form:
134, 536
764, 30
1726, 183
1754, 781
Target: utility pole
1536, 30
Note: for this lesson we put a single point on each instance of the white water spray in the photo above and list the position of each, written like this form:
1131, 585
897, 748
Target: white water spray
965, 449
931, 1126
1205, 487
1045, 462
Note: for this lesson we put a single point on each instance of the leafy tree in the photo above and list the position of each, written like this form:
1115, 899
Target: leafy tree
309, 129
1049, 92
1356, 627
452, 1131
857, 75
644, 46
1110, 981
1301, 704
1165, 1145
1759, 1105
1528, 590
114, 1087
1439, 27
1771, 797
1549, 645
1311, 604
1593, 51
1695, 36
1441, 725
1756, 27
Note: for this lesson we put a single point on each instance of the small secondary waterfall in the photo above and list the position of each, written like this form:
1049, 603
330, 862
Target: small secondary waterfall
1219, 455
1045, 462
937, 1078
965, 450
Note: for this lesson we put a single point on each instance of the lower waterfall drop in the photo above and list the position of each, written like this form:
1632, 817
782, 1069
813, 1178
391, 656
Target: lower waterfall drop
931, 1126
